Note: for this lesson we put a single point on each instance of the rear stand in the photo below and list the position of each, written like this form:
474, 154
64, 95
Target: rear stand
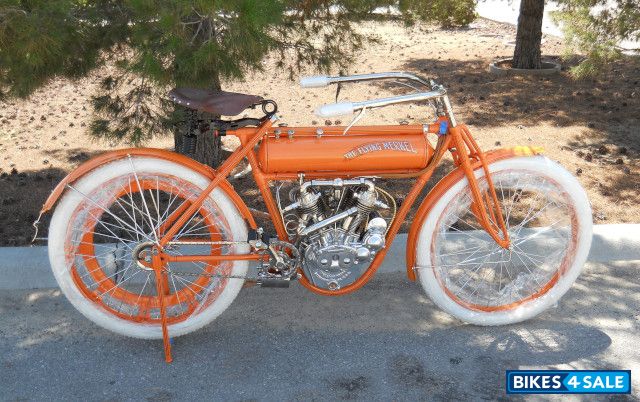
158, 267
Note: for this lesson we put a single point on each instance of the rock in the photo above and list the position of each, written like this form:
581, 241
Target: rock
314, 123
588, 157
45, 162
43, 118
578, 171
498, 143
14, 171
79, 157
327, 122
9, 201
619, 161
71, 125
580, 154
600, 216
626, 170
338, 122
603, 150
622, 150
591, 124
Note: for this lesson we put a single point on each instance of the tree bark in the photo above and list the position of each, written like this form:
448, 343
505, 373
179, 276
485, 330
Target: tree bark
529, 36
207, 148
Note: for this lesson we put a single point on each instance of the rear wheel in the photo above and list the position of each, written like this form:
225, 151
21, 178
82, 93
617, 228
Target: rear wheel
468, 275
106, 224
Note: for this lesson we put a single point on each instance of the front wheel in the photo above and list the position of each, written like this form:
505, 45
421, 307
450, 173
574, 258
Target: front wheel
467, 274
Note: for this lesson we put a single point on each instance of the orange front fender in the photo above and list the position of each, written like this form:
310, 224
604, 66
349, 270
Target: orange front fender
444, 185
150, 152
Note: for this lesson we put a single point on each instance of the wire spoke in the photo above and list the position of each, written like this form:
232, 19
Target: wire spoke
476, 269
144, 201
107, 211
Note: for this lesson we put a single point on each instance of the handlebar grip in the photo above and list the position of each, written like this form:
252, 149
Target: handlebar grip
335, 109
316, 81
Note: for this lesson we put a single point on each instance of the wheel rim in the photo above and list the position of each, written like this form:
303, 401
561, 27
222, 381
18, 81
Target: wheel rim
124, 215
477, 273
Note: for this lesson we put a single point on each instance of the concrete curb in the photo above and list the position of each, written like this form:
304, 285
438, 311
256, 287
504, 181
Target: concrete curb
28, 267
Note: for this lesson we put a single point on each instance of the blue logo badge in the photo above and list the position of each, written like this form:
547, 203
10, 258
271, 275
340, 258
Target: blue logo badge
568, 382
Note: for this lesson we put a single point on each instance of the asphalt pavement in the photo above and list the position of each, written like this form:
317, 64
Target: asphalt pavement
384, 342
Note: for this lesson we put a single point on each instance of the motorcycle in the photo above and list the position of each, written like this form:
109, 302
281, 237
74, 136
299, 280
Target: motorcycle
152, 244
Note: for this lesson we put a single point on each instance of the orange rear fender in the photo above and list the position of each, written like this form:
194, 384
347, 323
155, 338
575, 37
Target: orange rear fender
100, 160
445, 184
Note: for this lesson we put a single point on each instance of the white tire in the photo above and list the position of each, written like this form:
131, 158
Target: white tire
93, 182
441, 288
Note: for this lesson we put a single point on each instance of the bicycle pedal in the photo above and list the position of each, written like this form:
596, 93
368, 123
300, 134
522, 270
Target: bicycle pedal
260, 234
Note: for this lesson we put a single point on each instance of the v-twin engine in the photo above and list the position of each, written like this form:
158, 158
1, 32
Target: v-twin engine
339, 226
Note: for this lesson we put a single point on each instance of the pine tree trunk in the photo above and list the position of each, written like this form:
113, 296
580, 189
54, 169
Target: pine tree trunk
207, 149
529, 36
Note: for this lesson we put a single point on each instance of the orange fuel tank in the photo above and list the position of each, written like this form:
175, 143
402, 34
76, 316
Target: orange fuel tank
292, 150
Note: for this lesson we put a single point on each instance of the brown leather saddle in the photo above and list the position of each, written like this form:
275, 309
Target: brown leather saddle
214, 102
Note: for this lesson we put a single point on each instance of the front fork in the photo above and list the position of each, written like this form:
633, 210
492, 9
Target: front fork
485, 206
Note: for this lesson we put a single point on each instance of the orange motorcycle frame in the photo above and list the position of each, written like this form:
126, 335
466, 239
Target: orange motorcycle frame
457, 140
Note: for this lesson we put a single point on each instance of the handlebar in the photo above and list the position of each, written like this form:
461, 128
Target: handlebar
316, 81
319, 81
436, 92
335, 109
343, 108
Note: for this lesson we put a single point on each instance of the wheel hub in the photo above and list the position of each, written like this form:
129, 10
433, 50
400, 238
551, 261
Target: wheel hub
143, 255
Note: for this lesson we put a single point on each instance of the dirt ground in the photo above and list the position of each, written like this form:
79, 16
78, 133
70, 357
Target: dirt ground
592, 127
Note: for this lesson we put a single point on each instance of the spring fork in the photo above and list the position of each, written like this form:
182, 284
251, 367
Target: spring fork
463, 141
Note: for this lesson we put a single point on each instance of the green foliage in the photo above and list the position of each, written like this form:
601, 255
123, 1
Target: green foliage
40, 39
595, 27
448, 13
158, 44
